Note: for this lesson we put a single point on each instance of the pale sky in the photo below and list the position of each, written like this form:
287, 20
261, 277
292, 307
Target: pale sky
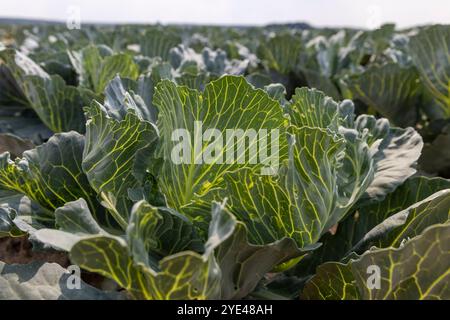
363, 13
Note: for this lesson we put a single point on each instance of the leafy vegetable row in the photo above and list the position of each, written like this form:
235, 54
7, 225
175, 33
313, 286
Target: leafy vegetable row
105, 190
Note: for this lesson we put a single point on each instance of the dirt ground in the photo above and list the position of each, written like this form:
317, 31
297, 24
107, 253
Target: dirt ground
20, 251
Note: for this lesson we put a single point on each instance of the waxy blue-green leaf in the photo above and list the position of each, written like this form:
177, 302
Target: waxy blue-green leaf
324, 61
10, 92
391, 90
20, 215
281, 52
136, 264
418, 270
194, 80
411, 192
75, 217
408, 223
109, 257
143, 262
321, 82
46, 281
244, 264
301, 201
435, 157
123, 94
258, 80
327, 55
214, 62
50, 174
114, 154
429, 51
310, 107
73, 222
357, 225
157, 43
226, 104
96, 66
19, 65
395, 154
58, 105
158, 232
277, 92
182, 275
8, 227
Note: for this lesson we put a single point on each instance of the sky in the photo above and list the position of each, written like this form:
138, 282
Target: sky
352, 13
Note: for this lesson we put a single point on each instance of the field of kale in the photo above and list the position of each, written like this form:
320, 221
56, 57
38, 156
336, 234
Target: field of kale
112, 162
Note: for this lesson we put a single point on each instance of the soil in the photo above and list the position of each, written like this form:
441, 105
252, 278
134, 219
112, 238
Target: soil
19, 250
